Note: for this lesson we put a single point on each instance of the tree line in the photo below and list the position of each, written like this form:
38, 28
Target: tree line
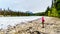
19, 13
54, 11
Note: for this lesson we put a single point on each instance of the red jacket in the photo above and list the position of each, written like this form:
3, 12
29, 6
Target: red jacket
43, 19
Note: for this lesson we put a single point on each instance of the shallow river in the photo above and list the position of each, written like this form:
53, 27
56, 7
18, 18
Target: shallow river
5, 21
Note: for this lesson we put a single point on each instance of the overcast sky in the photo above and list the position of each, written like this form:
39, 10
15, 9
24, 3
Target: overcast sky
26, 5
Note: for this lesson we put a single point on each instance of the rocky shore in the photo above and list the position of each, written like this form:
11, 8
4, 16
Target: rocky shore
51, 26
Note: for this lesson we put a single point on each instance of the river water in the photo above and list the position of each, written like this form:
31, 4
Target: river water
5, 21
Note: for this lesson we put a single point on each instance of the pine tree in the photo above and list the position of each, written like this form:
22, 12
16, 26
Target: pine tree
47, 11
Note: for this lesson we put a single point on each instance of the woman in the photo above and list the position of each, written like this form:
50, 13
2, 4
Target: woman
43, 22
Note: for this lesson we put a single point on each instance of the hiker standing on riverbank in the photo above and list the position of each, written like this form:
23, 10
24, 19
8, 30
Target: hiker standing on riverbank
43, 22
